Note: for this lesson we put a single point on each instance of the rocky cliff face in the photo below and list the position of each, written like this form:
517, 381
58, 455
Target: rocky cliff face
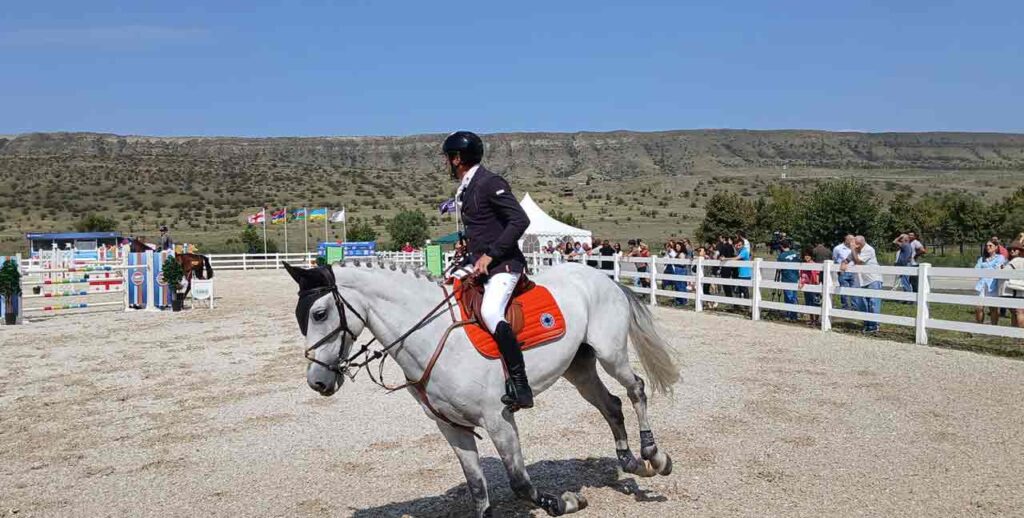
609, 155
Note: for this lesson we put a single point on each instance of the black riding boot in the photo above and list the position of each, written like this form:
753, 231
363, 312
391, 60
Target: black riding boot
517, 387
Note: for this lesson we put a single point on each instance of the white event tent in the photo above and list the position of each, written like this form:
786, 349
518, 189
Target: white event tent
544, 228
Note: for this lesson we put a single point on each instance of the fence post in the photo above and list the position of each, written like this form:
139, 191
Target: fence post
150, 276
698, 286
826, 296
616, 267
653, 276
923, 287
243, 261
755, 290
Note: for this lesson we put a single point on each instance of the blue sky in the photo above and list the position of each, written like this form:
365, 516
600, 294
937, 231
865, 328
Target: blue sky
262, 68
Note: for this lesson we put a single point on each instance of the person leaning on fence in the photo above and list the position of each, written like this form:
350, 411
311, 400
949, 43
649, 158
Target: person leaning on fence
725, 250
863, 254
990, 259
904, 257
1014, 288
840, 255
787, 275
810, 278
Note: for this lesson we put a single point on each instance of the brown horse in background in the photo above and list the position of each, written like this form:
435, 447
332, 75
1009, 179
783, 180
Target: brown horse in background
191, 264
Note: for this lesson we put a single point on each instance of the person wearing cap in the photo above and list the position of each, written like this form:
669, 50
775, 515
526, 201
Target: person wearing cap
166, 243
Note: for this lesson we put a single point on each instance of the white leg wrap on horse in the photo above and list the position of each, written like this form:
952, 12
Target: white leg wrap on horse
497, 293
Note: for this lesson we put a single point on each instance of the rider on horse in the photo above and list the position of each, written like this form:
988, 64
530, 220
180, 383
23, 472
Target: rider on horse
166, 243
494, 222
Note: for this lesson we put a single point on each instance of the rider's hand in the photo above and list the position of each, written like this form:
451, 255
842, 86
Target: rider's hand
480, 268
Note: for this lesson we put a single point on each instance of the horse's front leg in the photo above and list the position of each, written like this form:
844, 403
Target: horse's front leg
464, 445
505, 436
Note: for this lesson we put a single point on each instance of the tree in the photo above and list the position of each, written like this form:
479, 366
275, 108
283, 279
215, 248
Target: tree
1012, 210
838, 208
408, 226
566, 217
361, 231
966, 219
899, 217
727, 213
929, 214
252, 240
779, 212
96, 223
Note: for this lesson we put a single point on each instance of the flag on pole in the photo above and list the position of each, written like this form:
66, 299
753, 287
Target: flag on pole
448, 206
318, 214
277, 216
258, 218
338, 216
299, 215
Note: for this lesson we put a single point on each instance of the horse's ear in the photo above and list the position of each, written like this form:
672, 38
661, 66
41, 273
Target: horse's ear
296, 272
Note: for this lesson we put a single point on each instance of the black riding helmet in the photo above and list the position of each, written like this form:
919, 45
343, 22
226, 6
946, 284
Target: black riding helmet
468, 146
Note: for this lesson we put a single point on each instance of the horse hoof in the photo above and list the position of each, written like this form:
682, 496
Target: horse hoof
645, 469
551, 504
667, 468
573, 502
658, 461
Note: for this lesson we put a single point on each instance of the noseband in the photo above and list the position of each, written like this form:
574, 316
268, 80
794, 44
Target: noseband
342, 366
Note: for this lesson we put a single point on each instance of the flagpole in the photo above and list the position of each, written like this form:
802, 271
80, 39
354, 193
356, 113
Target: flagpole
286, 230
305, 226
264, 211
344, 225
326, 236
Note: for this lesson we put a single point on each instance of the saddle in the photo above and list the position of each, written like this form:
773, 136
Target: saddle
532, 313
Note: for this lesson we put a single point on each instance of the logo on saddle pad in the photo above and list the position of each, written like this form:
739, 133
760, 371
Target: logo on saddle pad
547, 320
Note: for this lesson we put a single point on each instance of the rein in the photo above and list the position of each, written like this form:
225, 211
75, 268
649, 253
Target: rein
350, 367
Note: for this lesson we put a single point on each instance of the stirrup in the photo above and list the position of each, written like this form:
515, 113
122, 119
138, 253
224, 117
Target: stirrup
511, 398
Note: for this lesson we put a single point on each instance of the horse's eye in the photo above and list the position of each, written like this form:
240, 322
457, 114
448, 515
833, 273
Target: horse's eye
320, 315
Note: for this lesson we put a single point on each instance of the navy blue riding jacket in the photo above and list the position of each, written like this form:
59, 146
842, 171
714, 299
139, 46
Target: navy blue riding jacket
494, 222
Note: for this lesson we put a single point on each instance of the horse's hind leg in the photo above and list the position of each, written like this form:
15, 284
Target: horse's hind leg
464, 445
617, 365
503, 432
582, 373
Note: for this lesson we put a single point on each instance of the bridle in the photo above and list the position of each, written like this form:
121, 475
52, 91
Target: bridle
362, 358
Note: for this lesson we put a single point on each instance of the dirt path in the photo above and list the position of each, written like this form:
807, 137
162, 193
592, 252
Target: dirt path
207, 413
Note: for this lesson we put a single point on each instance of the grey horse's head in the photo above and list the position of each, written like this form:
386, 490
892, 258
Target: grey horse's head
329, 327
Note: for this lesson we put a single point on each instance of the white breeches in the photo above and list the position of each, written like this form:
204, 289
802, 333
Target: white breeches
497, 293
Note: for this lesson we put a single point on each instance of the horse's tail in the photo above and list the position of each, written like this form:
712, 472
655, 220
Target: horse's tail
654, 353
206, 265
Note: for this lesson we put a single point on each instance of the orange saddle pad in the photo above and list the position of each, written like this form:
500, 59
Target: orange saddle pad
542, 322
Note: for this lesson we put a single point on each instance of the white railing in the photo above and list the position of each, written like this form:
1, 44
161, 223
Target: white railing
645, 274
275, 260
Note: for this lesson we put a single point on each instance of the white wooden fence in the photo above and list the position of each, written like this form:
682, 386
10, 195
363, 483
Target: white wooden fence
921, 322
623, 269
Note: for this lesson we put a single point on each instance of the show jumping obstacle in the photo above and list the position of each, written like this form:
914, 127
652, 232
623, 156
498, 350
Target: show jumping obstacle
136, 278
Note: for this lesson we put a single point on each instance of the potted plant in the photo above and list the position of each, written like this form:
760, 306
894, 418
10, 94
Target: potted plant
10, 290
173, 274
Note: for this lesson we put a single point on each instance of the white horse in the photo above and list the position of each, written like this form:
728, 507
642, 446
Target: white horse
465, 388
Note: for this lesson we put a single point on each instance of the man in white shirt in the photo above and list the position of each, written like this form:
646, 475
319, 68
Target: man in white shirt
863, 254
840, 254
919, 250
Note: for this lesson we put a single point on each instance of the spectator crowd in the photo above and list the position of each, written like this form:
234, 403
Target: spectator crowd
853, 250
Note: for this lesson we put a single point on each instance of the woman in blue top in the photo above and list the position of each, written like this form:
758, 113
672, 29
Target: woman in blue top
990, 259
